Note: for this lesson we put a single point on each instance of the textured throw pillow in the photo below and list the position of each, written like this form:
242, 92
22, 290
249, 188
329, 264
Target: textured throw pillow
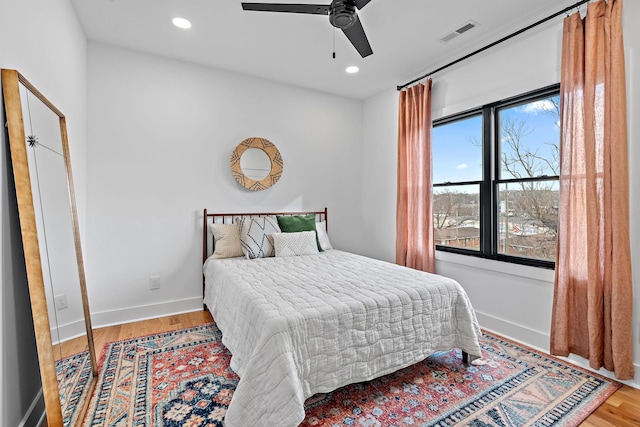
298, 223
294, 244
323, 237
226, 239
255, 236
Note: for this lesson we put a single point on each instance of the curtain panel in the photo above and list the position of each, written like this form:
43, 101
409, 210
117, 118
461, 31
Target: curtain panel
414, 220
592, 304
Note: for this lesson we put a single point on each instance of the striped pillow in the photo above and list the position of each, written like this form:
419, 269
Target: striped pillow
255, 236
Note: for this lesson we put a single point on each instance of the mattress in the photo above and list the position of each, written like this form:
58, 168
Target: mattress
301, 325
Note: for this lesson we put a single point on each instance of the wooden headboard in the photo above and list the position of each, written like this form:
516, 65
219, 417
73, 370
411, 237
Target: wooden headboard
228, 218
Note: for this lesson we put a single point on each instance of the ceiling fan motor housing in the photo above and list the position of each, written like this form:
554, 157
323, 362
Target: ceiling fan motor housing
343, 14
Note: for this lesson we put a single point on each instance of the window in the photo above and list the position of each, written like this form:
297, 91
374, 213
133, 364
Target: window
495, 173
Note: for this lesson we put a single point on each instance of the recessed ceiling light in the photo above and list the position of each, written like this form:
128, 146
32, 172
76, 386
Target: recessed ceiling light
352, 69
182, 23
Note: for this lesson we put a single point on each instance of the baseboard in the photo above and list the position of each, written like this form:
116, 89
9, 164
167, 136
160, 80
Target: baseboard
68, 331
540, 341
536, 339
144, 312
36, 414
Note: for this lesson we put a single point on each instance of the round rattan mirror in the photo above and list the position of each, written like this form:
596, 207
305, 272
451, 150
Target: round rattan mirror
256, 177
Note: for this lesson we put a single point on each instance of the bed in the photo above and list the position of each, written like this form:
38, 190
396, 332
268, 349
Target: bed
315, 321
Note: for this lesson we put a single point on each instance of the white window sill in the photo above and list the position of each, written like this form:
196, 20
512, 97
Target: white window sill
542, 274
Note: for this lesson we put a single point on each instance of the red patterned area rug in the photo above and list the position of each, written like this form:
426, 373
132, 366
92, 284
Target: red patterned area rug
183, 378
73, 373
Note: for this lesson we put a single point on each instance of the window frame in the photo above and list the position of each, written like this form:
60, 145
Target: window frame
491, 179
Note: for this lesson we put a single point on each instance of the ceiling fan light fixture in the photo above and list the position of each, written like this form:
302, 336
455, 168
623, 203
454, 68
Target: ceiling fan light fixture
181, 23
342, 14
352, 69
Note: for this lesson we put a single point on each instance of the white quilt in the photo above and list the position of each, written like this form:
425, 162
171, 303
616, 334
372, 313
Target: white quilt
301, 325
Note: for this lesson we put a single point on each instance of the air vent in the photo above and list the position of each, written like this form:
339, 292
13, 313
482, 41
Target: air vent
465, 27
449, 37
462, 29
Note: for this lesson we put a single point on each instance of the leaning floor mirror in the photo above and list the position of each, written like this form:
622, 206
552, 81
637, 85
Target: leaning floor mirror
53, 256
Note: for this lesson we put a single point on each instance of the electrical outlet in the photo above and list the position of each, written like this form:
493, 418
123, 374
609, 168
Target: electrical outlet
154, 282
60, 301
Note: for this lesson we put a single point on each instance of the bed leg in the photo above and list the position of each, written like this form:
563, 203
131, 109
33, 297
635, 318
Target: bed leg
465, 357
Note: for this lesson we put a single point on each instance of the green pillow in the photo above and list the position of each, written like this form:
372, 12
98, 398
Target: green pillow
296, 223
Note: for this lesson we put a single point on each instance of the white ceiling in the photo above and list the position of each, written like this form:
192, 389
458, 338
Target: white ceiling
297, 49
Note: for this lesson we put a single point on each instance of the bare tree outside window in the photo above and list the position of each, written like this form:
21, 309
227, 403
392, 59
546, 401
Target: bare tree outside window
529, 157
520, 195
456, 215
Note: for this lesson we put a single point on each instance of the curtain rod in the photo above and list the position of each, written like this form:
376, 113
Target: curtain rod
482, 49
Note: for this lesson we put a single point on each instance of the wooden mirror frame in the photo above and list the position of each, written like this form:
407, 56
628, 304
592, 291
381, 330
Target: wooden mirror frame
274, 157
11, 81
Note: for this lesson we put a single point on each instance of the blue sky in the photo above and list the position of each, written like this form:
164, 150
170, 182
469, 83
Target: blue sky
456, 150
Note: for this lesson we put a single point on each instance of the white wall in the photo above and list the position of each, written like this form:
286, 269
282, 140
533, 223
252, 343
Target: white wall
42, 40
379, 165
512, 300
161, 134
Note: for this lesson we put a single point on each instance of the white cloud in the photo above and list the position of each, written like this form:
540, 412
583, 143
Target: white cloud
461, 166
537, 107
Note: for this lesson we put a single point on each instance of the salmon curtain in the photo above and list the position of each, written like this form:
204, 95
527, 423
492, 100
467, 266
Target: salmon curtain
592, 304
414, 221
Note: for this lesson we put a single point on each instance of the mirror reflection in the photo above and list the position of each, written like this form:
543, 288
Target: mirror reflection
55, 270
54, 224
255, 164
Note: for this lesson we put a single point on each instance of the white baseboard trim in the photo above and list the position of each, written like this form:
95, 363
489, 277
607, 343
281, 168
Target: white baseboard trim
540, 341
143, 312
36, 414
530, 337
68, 331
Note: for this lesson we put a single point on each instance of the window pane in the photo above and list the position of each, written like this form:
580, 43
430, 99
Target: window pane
457, 151
456, 216
529, 138
528, 213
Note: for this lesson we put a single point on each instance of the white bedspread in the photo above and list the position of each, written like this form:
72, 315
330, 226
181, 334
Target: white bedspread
297, 326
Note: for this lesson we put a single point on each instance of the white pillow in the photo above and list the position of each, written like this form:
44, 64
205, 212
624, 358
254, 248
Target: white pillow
226, 241
323, 237
255, 236
294, 244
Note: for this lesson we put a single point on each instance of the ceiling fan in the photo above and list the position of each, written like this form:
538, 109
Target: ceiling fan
342, 15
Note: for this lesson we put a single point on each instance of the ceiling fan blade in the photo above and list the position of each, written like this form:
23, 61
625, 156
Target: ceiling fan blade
315, 9
358, 38
361, 3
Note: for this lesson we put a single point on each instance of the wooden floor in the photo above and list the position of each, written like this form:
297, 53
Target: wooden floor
102, 336
622, 409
